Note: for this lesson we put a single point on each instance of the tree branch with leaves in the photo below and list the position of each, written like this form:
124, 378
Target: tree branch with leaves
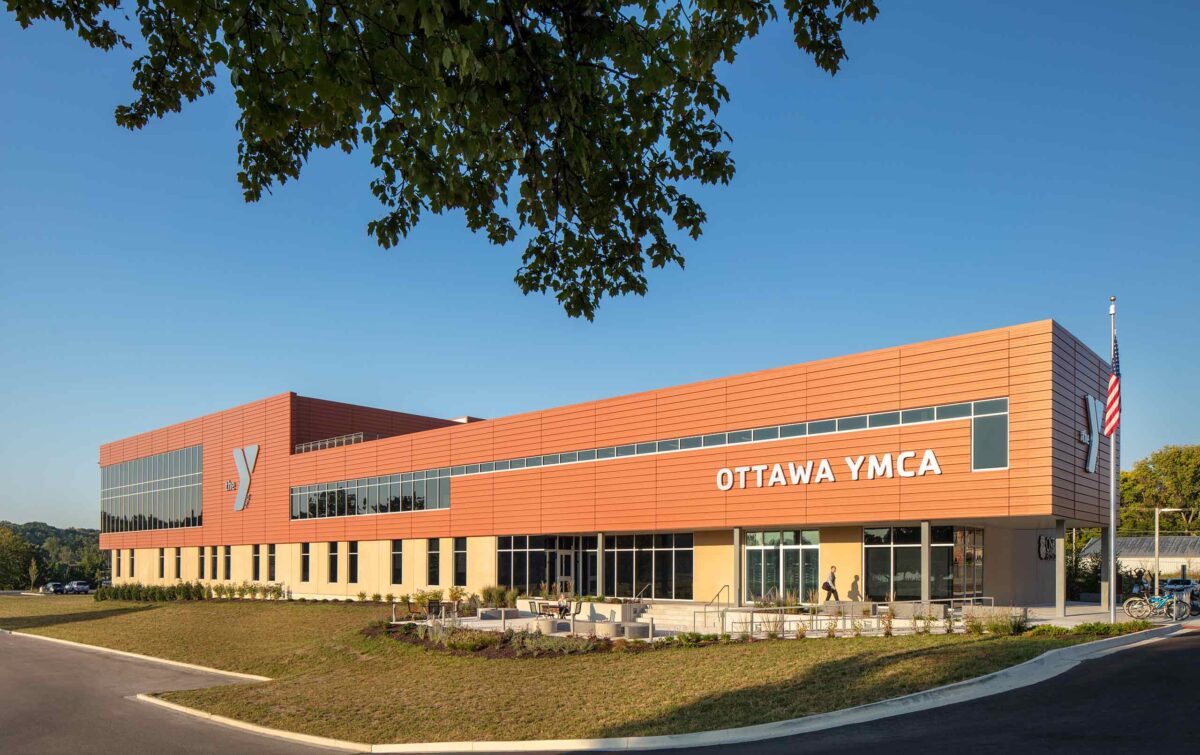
575, 127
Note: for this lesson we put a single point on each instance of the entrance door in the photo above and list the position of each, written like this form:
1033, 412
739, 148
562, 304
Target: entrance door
566, 571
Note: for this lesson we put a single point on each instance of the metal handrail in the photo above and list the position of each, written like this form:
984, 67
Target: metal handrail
638, 598
717, 600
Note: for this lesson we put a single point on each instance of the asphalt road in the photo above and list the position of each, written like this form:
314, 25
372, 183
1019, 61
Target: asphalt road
1145, 699
59, 699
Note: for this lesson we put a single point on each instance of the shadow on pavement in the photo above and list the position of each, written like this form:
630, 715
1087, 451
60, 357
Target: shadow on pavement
18, 623
831, 685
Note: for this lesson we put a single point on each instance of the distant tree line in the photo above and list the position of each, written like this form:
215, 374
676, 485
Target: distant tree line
35, 553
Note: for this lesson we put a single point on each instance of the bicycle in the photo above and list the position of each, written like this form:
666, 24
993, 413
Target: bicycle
1145, 606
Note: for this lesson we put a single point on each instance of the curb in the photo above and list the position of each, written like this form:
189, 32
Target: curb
1040, 668
140, 657
309, 739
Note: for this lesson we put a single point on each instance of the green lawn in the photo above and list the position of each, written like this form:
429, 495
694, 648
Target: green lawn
331, 681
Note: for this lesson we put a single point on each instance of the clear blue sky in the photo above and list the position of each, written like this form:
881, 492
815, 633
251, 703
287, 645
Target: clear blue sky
975, 165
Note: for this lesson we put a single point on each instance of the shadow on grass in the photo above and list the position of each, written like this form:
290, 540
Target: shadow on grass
834, 685
18, 623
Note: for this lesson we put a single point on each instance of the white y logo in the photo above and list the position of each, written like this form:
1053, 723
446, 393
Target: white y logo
1095, 410
244, 458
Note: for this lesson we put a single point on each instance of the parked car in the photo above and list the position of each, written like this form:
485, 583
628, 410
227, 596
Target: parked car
53, 588
106, 583
78, 587
1178, 584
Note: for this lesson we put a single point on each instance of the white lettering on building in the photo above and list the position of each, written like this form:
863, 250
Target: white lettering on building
797, 473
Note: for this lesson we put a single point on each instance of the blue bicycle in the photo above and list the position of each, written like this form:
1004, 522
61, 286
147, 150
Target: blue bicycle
1144, 606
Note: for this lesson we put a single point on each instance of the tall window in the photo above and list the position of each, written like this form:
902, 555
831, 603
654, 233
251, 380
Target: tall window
212, 551
117, 561
397, 562
651, 566
989, 435
179, 563
132, 571
892, 561
271, 562
783, 565
968, 562
228, 562
333, 562
433, 566
352, 562
304, 561
460, 561
521, 562
162, 563
200, 562
254, 564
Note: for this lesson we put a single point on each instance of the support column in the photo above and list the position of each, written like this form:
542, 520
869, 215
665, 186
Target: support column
600, 564
1104, 575
925, 562
1060, 568
736, 588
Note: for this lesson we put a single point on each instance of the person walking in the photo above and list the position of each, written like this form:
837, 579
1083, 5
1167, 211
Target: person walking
830, 586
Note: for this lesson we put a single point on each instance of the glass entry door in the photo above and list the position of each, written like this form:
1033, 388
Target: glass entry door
566, 571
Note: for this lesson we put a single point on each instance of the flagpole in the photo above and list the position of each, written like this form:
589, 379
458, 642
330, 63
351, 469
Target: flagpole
1113, 577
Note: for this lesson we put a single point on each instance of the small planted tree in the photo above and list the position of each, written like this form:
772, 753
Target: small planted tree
33, 573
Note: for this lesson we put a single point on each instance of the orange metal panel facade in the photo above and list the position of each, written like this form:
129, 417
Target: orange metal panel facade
1042, 369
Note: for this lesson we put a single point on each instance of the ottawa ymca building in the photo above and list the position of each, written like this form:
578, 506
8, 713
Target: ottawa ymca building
939, 470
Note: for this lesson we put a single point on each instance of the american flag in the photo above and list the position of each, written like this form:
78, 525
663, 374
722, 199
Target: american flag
1112, 408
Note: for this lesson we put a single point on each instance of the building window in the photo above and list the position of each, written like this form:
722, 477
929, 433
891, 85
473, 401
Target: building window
989, 437
352, 562
200, 562
162, 563
649, 566
212, 551
179, 563
433, 560
892, 562
271, 562
333, 562
460, 561
548, 563
397, 562
162, 491
254, 565
388, 494
132, 571
304, 560
228, 562
117, 561
783, 566
968, 562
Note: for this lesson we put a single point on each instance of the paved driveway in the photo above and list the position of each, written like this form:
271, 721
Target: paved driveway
59, 699
1146, 699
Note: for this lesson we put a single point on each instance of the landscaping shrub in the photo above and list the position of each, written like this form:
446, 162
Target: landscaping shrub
973, 625
180, 591
1006, 625
1105, 629
471, 640
1048, 630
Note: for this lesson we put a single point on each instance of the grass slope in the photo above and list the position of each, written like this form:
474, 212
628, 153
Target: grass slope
331, 681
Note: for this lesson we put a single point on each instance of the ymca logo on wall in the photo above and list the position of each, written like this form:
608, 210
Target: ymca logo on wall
244, 458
